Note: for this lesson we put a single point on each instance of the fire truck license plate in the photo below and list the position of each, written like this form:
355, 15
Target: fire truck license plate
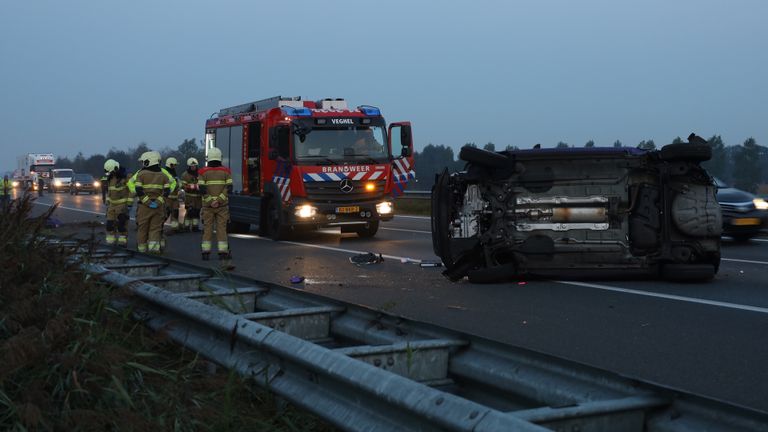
354, 209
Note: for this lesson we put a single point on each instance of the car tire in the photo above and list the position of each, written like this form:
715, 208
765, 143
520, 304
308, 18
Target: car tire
369, 230
483, 157
686, 152
687, 272
741, 238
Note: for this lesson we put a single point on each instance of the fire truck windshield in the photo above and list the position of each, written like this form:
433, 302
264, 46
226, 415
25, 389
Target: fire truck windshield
342, 144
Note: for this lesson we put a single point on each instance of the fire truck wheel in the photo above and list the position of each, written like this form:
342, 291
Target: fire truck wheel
276, 229
368, 230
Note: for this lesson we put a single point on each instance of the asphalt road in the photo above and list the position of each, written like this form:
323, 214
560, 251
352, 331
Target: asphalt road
710, 338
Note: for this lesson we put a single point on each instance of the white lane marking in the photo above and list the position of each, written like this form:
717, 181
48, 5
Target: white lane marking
669, 297
744, 261
760, 240
407, 230
349, 251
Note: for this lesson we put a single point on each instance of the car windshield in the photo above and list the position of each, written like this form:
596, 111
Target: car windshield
353, 144
83, 177
62, 173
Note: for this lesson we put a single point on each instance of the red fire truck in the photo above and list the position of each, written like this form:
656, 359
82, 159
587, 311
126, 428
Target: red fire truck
309, 164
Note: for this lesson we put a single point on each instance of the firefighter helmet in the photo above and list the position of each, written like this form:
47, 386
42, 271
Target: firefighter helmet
151, 158
111, 165
191, 161
214, 154
143, 156
171, 161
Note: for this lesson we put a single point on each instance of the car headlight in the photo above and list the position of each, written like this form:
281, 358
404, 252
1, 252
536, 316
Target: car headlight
57, 183
384, 208
78, 184
96, 184
760, 203
305, 211
15, 183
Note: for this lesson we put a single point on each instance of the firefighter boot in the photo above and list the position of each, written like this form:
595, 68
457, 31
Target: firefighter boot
225, 259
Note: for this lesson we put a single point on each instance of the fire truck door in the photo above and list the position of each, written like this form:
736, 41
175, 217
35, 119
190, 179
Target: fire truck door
401, 145
254, 161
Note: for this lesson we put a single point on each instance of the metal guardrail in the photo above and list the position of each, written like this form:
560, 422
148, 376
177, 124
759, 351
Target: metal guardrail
364, 370
416, 194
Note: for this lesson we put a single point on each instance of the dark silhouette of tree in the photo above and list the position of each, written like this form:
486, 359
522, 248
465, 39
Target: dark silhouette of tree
617, 143
647, 145
490, 147
562, 144
677, 140
718, 165
589, 143
746, 162
511, 147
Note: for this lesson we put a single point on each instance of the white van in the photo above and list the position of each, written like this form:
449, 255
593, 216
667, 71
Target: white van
62, 179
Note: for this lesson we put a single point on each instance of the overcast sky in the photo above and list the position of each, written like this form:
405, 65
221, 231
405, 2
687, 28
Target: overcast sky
90, 75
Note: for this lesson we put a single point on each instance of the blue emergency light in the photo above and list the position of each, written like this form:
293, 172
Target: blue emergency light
297, 112
369, 110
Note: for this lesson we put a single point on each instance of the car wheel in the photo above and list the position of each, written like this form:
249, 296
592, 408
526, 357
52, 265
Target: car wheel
483, 157
741, 238
687, 272
686, 152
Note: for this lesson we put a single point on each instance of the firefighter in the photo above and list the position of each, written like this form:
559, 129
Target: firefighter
6, 188
215, 183
152, 186
192, 201
172, 203
115, 194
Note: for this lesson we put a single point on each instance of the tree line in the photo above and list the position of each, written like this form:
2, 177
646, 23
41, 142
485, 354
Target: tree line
129, 159
738, 165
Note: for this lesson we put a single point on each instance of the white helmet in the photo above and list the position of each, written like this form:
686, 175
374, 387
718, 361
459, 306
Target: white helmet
111, 165
151, 158
214, 154
171, 161
191, 161
144, 156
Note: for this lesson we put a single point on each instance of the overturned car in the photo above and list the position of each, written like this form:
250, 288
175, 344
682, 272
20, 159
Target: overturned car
579, 213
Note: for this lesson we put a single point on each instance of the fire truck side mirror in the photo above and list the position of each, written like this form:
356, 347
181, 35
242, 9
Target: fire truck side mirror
406, 152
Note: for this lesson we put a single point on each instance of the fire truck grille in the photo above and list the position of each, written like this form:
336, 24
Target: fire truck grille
331, 191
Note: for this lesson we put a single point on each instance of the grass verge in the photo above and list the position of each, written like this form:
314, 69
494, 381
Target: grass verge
70, 362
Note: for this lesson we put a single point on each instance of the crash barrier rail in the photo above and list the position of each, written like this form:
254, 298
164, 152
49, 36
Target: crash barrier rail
416, 194
366, 370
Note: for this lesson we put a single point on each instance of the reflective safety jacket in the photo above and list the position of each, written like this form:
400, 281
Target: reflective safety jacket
190, 185
215, 184
6, 187
151, 184
132, 181
117, 191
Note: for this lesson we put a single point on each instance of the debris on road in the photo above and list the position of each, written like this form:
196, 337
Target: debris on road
430, 264
456, 307
366, 259
297, 279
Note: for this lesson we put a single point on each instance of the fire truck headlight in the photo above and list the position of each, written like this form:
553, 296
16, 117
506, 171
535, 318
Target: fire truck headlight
370, 187
15, 183
305, 211
384, 208
57, 183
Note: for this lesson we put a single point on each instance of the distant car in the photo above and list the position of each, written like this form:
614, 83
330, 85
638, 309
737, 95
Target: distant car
62, 179
578, 213
744, 215
84, 183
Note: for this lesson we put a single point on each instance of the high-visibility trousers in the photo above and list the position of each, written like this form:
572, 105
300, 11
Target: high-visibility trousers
117, 224
215, 218
150, 228
192, 206
172, 208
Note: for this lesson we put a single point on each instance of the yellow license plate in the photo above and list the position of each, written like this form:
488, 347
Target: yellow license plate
354, 209
745, 221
